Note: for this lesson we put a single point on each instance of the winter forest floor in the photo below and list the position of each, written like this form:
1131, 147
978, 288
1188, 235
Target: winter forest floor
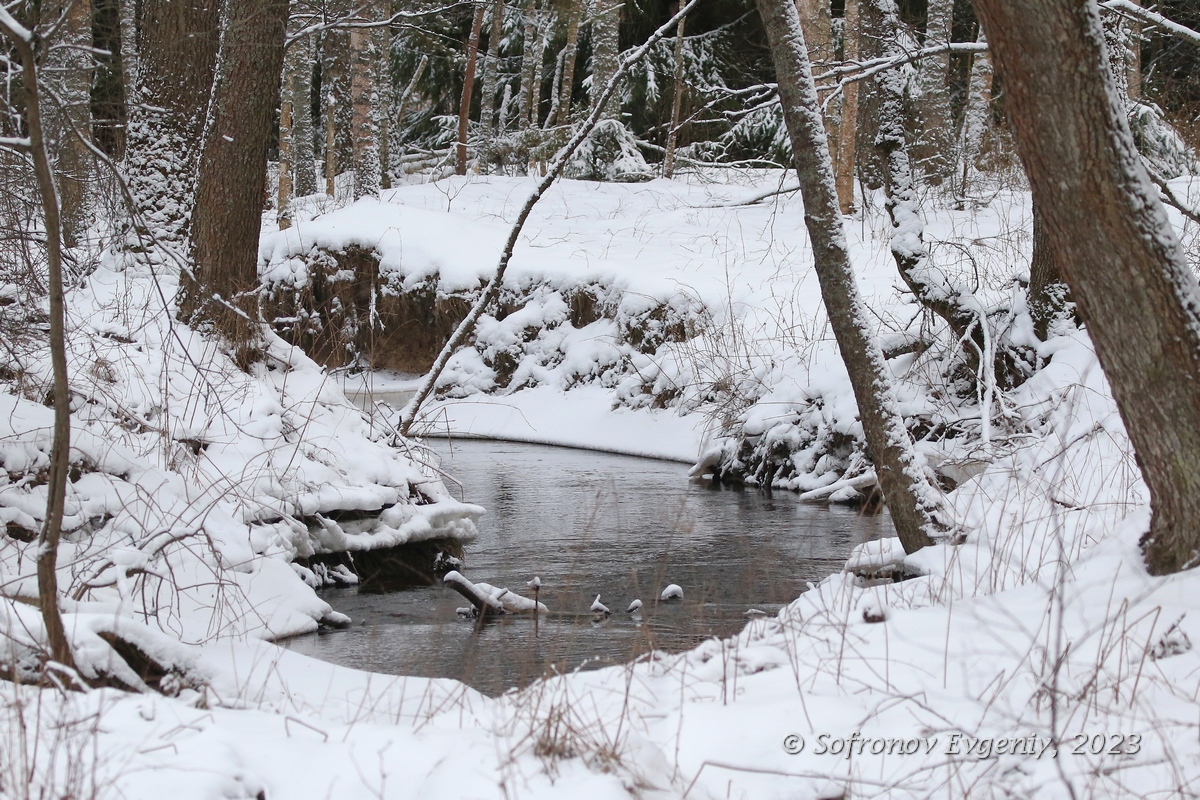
1035, 657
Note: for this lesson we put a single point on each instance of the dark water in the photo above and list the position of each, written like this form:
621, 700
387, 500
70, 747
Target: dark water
589, 523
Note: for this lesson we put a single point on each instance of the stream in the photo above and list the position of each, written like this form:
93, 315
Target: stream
591, 523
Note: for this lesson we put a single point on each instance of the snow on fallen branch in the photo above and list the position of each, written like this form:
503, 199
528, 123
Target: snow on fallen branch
488, 599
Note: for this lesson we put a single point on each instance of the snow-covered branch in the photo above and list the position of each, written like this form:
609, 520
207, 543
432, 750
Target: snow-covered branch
1131, 9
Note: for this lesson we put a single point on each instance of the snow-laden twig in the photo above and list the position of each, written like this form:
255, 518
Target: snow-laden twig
1154, 18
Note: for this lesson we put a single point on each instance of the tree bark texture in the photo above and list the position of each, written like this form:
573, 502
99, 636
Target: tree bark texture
69, 126
233, 169
335, 90
364, 97
937, 129
176, 64
1049, 295
848, 125
302, 54
464, 106
1113, 242
914, 503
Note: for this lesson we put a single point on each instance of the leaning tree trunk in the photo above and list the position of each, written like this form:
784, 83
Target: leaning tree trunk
464, 106
954, 304
915, 506
1115, 246
23, 43
233, 171
176, 64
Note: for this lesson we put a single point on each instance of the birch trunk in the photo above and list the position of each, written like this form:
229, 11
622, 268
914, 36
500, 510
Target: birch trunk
571, 53
529, 35
936, 124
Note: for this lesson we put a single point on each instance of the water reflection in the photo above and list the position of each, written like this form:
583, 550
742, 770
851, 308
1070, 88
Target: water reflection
587, 524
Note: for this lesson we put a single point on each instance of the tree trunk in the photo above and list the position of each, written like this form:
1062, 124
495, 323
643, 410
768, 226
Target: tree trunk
335, 91
937, 129
1133, 75
108, 86
287, 137
464, 106
571, 53
176, 64
676, 104
606, 45
491, 70
233, 170
848, 127
47, 559
529, 93
364, 121
70, 124
535, 86
914, 504
977, 114
1115, 246
303, 157
1048, 294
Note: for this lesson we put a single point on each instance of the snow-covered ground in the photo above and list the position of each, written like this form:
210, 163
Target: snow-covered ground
1036, 658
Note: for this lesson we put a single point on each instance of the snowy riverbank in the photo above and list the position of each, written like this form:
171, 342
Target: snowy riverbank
1040, 626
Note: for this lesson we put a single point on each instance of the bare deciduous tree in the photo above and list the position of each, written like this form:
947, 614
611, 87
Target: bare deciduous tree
915, 507
1114, 244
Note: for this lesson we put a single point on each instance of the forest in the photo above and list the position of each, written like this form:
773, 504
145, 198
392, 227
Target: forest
599, 398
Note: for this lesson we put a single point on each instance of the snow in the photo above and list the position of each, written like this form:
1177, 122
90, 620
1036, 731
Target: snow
1037, 632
